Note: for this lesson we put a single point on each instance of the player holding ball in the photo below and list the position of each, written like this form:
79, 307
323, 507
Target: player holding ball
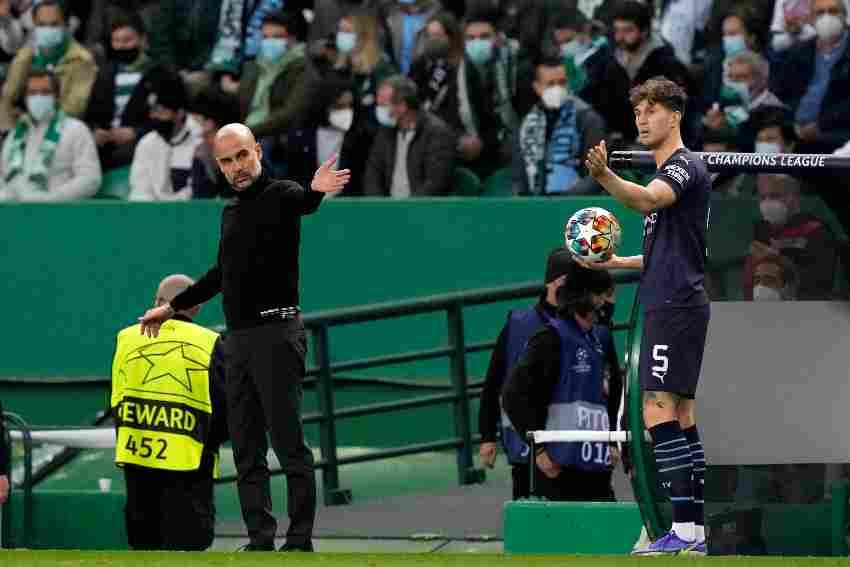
675, 205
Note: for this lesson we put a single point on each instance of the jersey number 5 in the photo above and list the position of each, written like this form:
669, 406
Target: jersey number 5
660, 370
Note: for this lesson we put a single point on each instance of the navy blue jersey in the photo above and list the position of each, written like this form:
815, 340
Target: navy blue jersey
674, 238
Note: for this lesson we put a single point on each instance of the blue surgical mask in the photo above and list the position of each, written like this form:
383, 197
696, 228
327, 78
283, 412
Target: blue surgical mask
408, 2
382, 113
272, 48
733, 44
346, 41
40, 106
479, 51
574, 49
49, 37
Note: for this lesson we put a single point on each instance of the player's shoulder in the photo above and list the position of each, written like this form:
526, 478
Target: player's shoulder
690, 161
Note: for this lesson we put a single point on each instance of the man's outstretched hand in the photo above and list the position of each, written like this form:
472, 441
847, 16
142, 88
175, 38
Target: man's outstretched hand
153, 319
328, 180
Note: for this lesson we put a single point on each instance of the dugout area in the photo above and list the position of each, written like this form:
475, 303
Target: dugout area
55, 364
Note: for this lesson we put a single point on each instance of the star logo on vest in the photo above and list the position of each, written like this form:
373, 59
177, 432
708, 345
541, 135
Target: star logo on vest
174, 360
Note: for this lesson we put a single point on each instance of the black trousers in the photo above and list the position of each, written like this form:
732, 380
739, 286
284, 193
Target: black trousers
519, 475
170, 510
265, 369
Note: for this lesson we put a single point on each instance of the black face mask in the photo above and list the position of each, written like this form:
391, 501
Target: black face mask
605, 314
126, 56
164, 128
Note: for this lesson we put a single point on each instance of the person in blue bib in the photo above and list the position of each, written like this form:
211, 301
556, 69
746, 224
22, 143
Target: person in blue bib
562, 382
521, 324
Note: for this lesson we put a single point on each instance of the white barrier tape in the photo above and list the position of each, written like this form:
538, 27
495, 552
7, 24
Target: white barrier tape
91, 438
577, 435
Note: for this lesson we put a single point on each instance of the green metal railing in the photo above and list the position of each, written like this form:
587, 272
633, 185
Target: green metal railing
462, 391
17, 422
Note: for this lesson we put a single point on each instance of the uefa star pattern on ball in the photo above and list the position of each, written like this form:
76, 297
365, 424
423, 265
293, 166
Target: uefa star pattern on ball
592, 234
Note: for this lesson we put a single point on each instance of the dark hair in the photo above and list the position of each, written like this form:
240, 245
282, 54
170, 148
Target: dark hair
125, 19
659, 90
292, 20
323, 92
39, 73
721, 136
453, 29
569, 20
638, 13
213, 103
773, 117
404, 90
548, 58
42, 3
482, 15
574, 295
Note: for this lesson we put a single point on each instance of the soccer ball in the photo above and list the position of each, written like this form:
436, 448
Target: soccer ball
592, 234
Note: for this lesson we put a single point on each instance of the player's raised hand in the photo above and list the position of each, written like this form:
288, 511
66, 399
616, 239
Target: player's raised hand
597, 160
329, 180
612, 263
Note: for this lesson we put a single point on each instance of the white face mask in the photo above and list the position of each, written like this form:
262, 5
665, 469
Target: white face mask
765, 293
382, 113
828, 27
781, 41
554, 97
774, 211
341, 118
768, 148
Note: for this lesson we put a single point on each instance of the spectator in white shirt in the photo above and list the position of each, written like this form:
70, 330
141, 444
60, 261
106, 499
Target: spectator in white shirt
162, 162
47, 155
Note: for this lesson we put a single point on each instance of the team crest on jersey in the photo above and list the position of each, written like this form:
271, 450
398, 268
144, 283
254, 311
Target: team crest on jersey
582, 360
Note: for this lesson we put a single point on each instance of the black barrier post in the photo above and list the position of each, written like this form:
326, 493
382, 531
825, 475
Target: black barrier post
740, 162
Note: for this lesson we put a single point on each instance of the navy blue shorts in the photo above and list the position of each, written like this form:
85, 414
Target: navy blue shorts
671, 349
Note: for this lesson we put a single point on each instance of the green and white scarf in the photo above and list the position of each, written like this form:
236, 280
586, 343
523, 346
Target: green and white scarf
37, 170
552, 167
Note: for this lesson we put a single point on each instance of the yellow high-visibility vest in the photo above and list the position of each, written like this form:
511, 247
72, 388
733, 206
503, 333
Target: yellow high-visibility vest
161, 396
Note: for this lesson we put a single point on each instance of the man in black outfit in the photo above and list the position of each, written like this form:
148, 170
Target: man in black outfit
257, 273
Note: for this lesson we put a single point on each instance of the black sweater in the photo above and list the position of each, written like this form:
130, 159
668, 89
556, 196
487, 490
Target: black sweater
257, 266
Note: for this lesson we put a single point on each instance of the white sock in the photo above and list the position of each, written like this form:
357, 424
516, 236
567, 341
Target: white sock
685, 530
699, 532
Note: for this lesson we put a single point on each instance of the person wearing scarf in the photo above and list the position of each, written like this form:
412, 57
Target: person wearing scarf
56, 51
553, 136
48, 155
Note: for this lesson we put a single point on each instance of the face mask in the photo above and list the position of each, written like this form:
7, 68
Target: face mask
48, 37
781, 41
828, 27
574, 49
382, 113
407, 2
554, 97
126, 56
341, 119
39, 107
733, 44
768, 148
165, 128
346, 41
764, 293
272, 48
605, 314
774, 211
479, 51
739, 88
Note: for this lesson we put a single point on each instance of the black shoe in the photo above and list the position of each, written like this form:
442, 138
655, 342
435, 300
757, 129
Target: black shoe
257, 547
306, 546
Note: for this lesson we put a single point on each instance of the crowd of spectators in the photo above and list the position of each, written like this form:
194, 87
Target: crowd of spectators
416, 96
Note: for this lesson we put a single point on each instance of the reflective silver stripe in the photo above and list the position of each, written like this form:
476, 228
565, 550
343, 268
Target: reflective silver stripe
577, 415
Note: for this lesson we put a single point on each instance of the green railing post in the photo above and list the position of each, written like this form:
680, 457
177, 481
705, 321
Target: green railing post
467, 474
24, 541
333, 495
840, 497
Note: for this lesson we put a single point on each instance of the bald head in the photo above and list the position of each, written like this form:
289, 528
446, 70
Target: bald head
238, 155
237, 130
171, 286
